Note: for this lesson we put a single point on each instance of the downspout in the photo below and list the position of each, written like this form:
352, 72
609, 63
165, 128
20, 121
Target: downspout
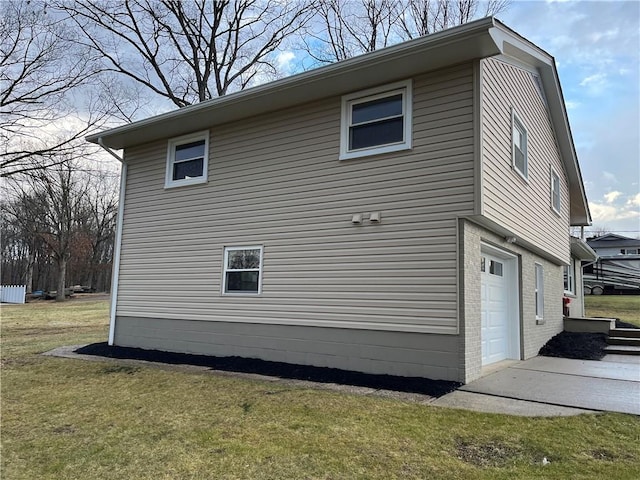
116, 252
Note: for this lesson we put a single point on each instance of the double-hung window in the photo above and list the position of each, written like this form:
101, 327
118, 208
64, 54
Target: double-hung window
519, 145
555, 191
539, 292
242, 270
376, 121
569, 277
187, 160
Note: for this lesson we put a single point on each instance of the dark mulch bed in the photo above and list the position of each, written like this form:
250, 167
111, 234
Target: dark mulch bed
577, 345
433, 388
621, 324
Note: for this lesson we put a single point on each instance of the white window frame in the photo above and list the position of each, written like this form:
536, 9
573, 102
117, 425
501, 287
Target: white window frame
539, 292
569, 272
556, 195
171, 153
517, 124
348, 101
225, 270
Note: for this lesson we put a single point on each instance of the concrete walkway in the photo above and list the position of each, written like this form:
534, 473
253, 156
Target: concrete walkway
546, 383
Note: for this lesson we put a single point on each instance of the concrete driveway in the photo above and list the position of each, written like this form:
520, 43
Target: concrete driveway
555, 384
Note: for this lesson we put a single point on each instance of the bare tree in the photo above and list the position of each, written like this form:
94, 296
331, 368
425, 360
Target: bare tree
40, 69
53, 200
187, 52
345, 29
342, 30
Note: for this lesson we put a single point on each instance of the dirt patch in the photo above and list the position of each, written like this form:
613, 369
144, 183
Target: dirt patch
576, 345
425, 386
495, 453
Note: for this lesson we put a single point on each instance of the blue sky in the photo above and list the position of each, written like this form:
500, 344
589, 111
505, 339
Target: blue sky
597, 50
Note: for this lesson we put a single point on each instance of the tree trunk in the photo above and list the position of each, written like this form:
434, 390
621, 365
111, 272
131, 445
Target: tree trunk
62, 276
29, 277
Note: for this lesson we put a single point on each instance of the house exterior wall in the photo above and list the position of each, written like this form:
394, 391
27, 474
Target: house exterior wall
371, 351
276, 181
534, 334
522, 206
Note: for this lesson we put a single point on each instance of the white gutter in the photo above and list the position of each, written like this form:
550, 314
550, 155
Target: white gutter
115, 273
109, 151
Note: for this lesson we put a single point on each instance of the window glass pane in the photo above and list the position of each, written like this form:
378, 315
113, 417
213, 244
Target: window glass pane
379, 133
189, 169
190, 150
519, 160
517, 138
495, 268
242, 282
380, 108
242, 259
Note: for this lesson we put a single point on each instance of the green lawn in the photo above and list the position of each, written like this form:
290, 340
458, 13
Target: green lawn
624, 307
73, 419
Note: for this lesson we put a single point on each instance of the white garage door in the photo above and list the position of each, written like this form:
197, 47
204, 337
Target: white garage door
497, 316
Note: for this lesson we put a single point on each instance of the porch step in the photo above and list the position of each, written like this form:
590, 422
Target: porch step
625, 332
622, 350
629, 341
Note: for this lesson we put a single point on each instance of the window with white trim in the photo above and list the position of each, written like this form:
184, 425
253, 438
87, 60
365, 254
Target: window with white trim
187, 160
242, 270
539, 291
555, 191
376, 121
569, 277
519, 145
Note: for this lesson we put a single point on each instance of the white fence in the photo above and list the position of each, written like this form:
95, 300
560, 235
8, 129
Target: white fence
12, 293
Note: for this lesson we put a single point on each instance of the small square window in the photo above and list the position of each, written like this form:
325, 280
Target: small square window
242, 270
187, 160
555, 191
519, 146
376, 121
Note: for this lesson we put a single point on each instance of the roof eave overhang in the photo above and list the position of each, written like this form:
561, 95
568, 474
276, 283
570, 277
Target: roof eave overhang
581, 250
445, 48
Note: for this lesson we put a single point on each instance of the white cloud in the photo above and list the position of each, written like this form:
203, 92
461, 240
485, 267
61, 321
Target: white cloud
571, 105
595, 83
612, 196
609, 213
634, 200
284, 60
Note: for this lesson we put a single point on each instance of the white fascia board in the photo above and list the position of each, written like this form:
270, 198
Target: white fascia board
398, 62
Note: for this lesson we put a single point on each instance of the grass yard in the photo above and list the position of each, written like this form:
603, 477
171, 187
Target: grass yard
624, 307
73, 419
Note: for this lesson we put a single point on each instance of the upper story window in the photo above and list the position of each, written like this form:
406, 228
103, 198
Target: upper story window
376, 121
555, 191
630, 251
187, 159
242, 270
519, 145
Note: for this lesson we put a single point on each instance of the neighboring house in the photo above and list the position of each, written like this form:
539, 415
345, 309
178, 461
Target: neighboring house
404, 212
611, 244
617, 268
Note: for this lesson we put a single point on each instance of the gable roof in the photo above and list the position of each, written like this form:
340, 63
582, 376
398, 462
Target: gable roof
482, 38
613, 240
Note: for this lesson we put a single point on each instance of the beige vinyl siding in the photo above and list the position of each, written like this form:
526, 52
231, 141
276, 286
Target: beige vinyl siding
524, 207
275, 180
